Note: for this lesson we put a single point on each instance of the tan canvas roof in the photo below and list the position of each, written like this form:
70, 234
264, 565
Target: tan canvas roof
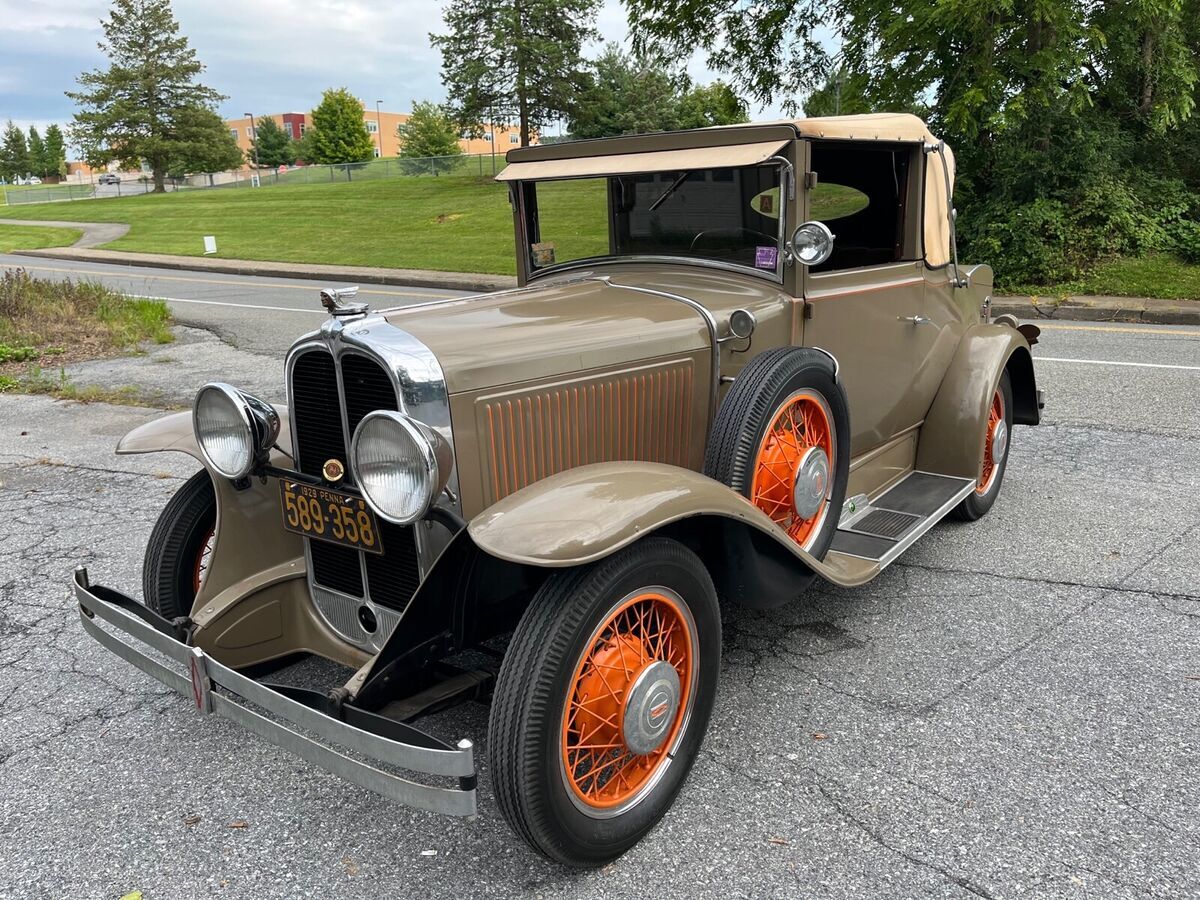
725, 152
636, 163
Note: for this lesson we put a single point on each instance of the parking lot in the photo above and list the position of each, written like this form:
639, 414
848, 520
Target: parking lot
1012, 709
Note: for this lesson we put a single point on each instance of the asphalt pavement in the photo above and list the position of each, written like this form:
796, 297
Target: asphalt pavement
1011, 710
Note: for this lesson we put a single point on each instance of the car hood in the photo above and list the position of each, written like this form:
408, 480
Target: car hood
551, 329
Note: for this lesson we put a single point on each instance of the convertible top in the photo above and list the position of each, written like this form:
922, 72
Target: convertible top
725, 146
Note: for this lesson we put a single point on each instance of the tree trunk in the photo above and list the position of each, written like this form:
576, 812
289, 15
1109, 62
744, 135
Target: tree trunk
522, 94
159, 171
1146, 102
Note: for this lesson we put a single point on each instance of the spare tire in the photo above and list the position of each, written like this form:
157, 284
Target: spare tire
781, 439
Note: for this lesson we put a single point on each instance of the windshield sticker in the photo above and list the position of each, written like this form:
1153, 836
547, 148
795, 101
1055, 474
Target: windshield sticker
766, 203
766, 257
543, 254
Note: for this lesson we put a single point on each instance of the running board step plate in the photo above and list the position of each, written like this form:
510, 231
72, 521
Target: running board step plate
884, 528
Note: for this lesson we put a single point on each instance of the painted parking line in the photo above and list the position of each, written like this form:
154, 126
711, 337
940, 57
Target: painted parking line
1112, 362
131, 272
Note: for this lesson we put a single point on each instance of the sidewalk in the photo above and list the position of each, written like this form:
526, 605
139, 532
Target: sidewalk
451, 281
1101, 309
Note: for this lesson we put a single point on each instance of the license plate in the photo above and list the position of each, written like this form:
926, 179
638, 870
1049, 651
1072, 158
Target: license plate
331, 516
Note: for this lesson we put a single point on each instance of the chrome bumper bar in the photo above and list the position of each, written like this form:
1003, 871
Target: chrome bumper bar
205, 675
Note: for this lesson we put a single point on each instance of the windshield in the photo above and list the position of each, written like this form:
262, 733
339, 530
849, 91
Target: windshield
730, 216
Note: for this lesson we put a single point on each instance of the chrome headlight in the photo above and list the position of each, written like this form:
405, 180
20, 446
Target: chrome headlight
812, 243
400, 465
234, 429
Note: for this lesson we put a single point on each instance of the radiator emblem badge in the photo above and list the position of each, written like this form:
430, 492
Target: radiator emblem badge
333, 470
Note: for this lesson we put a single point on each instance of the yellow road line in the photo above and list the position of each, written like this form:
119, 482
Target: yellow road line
222, 281
1143, 329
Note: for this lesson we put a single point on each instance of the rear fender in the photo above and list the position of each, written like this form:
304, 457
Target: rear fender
952, 437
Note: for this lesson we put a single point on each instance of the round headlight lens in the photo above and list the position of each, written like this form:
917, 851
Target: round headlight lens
395, 465
812, 243
223, 430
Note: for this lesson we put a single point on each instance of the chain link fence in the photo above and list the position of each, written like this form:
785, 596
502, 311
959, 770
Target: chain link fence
482, 165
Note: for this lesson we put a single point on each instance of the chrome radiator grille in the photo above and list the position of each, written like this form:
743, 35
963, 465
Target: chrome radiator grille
328, 398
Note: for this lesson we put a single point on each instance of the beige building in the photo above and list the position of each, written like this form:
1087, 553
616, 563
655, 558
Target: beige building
382, 126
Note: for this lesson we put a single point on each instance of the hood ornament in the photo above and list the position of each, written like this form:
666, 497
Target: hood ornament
341, 303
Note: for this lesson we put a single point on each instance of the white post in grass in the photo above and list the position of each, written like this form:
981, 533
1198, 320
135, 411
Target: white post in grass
210, 244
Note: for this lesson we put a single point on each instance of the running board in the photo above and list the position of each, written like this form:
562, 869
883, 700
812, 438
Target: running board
882, 529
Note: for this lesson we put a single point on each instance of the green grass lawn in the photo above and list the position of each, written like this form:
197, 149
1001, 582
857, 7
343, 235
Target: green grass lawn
1157, 275
28, 237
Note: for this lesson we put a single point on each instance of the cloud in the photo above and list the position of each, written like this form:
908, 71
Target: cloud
268, 56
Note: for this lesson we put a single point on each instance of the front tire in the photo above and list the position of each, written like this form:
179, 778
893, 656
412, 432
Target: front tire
179, 548
603, 700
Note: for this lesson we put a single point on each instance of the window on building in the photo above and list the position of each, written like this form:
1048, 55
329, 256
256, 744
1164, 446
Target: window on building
249, 132
303, 127
287, 129
233, 133
377, 153
373, 127
514, 139
488, 138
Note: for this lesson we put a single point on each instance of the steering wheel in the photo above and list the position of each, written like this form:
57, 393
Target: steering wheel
732, 233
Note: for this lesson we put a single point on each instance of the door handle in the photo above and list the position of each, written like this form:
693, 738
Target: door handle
916, 320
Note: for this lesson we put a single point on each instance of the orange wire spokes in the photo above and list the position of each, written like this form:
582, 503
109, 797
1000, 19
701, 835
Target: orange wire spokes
202, 557
995, 417
601, 770
798, 425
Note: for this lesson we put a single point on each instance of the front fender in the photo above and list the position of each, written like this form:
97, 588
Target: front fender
584, 514
174, 433
952, 437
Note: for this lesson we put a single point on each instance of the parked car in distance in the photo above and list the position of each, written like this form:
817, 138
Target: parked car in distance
738, 359
109, 178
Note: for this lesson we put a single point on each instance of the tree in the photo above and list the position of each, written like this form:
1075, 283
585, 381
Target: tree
429, 132
273, 147
14, 154
338, 133
37, 153
623, 94
712, 104
137, 108
514, 60
56, 151
1070, 118
202, 143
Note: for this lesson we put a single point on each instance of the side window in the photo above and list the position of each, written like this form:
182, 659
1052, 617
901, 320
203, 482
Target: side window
865, 194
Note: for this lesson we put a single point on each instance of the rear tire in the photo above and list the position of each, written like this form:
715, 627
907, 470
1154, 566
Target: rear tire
603, 699
176, 556
976, 504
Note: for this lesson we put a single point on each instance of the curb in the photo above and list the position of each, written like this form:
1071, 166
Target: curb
451, 281
1136, 310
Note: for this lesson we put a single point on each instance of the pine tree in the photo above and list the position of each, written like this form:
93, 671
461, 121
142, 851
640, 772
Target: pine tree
56, 151
339, 132
133, 110
37, 153
14, 155
514, 60
273, 147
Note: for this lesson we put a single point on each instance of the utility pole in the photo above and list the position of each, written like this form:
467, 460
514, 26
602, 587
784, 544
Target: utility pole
837, 104
379, 127
254, 133
492, 126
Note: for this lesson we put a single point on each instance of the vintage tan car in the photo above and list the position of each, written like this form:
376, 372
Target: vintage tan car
738, 359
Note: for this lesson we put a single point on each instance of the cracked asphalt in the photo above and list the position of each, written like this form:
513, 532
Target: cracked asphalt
1011, 710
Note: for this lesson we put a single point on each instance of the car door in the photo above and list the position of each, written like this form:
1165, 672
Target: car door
867, 304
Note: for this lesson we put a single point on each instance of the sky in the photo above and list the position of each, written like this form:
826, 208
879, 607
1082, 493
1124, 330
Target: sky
268, 56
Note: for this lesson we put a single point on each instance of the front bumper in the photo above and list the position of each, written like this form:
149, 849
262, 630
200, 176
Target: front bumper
214, 687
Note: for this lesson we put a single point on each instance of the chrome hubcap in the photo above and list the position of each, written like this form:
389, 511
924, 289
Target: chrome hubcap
650, 708
999, 442
811, 483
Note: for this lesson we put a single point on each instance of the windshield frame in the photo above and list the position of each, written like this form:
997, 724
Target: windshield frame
520, 197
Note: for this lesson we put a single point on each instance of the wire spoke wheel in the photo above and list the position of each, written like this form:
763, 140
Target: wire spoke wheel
629, 699
782, 473
996, 422
203, 557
